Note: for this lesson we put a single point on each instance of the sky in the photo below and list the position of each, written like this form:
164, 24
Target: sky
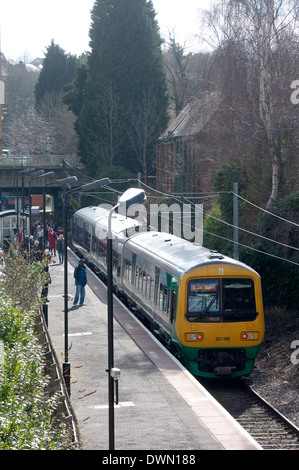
28, 26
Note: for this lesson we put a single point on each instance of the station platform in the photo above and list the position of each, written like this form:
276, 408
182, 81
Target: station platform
161, 406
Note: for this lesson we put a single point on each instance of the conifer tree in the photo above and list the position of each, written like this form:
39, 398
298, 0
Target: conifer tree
124, 106
58, 70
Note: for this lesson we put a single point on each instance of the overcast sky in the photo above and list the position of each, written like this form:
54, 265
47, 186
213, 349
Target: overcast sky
27, 26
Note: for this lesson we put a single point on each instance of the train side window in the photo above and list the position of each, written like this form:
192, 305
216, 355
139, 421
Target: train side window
138, 280
148, 286
127, 265
94, 244
157, 275
133, 280
115, 257
86, 237
127, 269
163, 298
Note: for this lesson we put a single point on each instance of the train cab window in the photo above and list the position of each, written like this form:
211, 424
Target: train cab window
215, 300
204, 300
238, 300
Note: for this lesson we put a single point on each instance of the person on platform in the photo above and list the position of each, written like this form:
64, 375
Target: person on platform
52, 237
60, 247
80, 283
36, 253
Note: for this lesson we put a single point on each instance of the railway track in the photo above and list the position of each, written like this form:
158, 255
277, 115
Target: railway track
264, 423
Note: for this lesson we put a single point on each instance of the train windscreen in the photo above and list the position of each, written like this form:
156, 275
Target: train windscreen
215, 300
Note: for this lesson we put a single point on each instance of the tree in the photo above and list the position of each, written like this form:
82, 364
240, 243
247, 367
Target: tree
262, 33
58, 70
125, 67
180, 75
30, 132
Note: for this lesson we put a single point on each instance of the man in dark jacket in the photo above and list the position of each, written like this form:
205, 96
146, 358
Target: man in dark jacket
80, 282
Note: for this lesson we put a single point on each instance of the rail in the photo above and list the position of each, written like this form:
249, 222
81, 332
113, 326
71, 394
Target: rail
260, 419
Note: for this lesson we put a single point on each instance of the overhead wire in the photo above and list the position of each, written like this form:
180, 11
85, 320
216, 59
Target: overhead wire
222, 221
249, 232
228, 224
233, 226
265, 210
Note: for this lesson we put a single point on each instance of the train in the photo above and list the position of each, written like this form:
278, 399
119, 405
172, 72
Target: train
207, 307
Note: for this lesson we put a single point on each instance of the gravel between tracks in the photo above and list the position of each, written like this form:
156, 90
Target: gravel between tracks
275, 377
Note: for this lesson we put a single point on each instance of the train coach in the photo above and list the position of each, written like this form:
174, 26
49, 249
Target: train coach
206, 306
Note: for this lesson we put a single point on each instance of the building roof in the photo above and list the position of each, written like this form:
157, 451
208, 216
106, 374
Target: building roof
193, 117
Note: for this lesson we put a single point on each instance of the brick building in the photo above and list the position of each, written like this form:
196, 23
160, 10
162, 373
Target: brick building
185, 161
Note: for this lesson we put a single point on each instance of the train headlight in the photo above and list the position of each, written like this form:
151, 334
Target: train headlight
250, 335
194, 337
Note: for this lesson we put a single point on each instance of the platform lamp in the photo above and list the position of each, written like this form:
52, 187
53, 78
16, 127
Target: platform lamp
128, 198
66, 368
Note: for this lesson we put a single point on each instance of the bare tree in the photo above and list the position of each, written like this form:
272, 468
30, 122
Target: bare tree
266, 31
142, 130
64, 139
179, 76
30, 133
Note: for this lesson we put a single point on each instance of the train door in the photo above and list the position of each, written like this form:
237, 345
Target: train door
172, 306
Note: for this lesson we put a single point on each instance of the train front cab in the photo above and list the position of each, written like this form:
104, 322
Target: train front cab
222, 325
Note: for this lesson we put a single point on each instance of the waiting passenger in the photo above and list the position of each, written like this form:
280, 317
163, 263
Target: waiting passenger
80, 283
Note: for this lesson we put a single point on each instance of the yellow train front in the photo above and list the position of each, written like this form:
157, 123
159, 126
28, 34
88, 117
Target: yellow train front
223, 325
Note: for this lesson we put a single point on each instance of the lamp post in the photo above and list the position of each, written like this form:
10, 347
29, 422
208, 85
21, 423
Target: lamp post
66, 368
129, 197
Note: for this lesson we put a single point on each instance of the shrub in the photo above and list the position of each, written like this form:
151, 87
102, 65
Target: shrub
27, 412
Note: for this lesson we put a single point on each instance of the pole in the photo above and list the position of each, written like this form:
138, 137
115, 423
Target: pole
66, 367
1, 101
110, 332
236, 220
18, 227
131, 196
